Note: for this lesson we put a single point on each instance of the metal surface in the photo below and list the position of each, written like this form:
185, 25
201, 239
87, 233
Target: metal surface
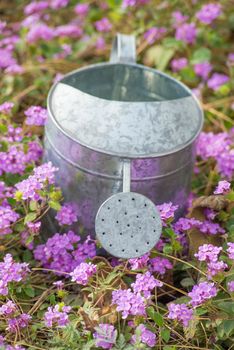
154, 121
128, 225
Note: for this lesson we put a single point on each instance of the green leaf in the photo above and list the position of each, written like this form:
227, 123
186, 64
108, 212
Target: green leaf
187, 282
33, 205
165, 334
11, 201
29, 291
169, 232
155, 316
30, 217
167, 347
167, 249
55, 205
227, 306
200, 311
3, 128
201, 55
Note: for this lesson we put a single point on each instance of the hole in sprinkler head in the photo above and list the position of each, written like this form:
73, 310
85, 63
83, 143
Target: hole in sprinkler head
154, 230
153, 217
147, 242
125, 213
108, 208
137, 216
103, 219
103, 233
131, 236
128, 225
133, 199
117, 222
120, 233
123, 250
139, 228
119, 200
145, 205
110, 245
136, 250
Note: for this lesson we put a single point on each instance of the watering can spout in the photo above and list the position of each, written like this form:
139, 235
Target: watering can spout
123, 49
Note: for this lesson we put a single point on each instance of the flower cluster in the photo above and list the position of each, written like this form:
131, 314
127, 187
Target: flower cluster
160, 265
105, 335
209, 13
144, 335
8, 217
16, 323
230, 250
36, 115
63, 253
128, 303
30, 188
167, 211
202, 292
208, 253
11, 271
67, 215
83, 272
6, 107
180, 312
57, 316
223, 187
144, 284
139, 263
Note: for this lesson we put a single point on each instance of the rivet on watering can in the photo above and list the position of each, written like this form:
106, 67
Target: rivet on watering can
116, 118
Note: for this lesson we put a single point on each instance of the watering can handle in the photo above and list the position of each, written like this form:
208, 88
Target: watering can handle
123, 49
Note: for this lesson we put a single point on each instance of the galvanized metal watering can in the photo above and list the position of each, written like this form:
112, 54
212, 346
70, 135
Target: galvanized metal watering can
118, 127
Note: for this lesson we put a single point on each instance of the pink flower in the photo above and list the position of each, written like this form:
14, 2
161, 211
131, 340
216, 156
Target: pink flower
202, 292
178, 64
57, 316
217, 80
105, 336
6, 107
40, 31
223, 187
153, 34
180, 312
139, 263
146, 336
230, 250
103, 25
83, 272
144, 284
208, 13
36, 115
160, 265
231, 286
128, 303
208, 253
203, 69
81, 9
67, 215
186, 32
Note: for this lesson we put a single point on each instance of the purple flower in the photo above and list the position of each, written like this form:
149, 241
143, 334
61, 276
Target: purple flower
132, 3
231, 57
144, 335
128, 303
180, 312
36, 7
6, 107
179, 18
63, 253
230, 286
212, 145
6, 58
139, 263
57, 4
59, 285
68, 30
103, 25
21, 321
208, 13
225, 163
203, 69
217, 80
83, 272
7, 218
184, 224
153, 34
202, 292
14, 69
187, 32
11, 271
67, 215
160, 265
230, 250
36, 115
57, 316
105, 336
8, 308
81, 9
211, 228
144, 284
208, 253
167, 211
223, 187
40, 31
215, 267
178, 64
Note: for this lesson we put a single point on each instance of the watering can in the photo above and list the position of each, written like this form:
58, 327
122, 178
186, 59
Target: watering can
123, 137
